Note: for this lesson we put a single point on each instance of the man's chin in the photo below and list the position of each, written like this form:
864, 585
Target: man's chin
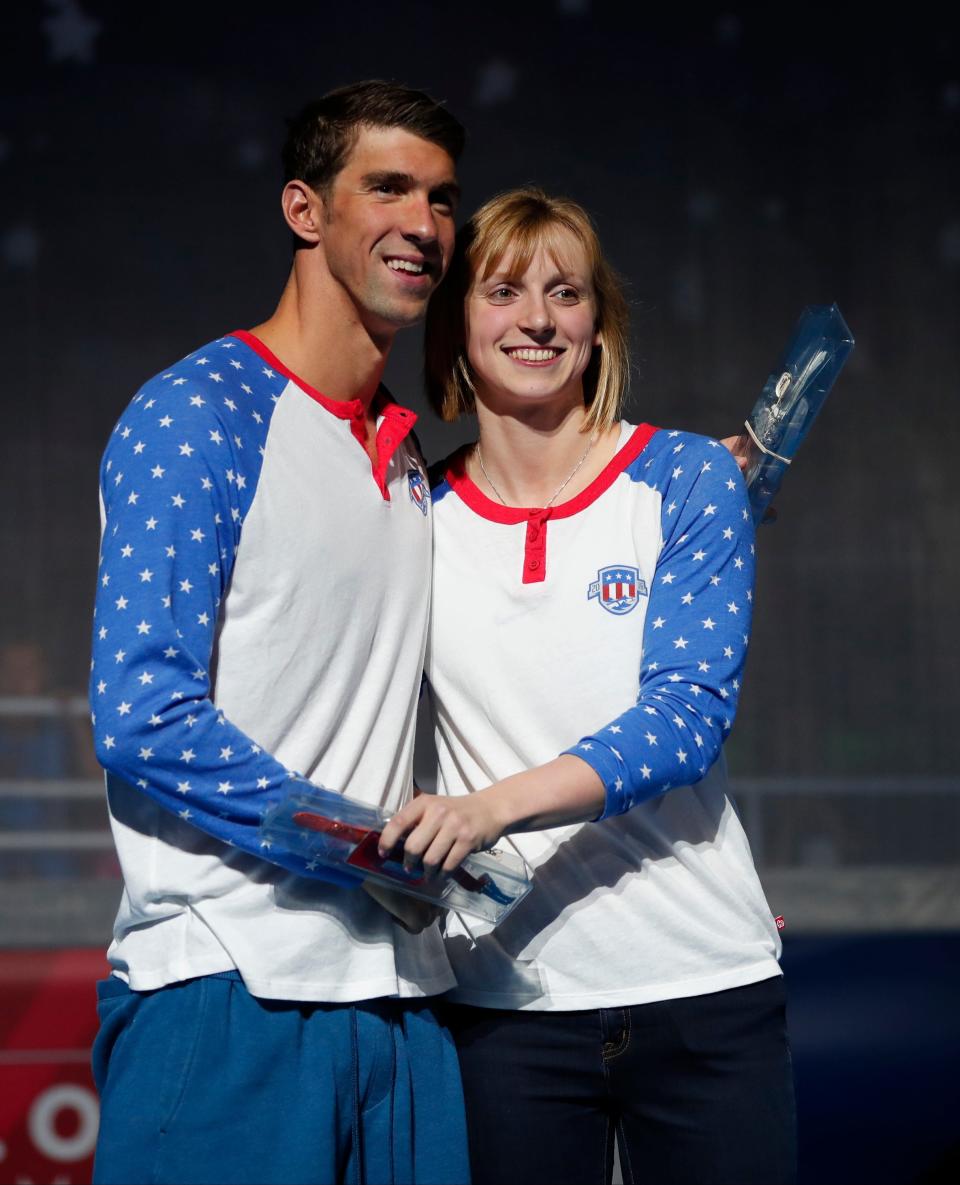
394, 315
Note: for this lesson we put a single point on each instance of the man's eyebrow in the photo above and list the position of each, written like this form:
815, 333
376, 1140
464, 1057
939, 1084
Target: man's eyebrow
406, 181
386, 178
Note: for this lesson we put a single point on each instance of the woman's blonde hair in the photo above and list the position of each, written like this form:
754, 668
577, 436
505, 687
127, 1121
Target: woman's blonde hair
513, 225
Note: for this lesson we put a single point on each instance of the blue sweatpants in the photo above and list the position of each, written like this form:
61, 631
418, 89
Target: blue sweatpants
201, 1082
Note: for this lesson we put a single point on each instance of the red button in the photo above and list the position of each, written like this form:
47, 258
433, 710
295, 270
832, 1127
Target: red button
534, 565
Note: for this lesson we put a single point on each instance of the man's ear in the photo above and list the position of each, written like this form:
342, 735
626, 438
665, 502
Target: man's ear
302, 210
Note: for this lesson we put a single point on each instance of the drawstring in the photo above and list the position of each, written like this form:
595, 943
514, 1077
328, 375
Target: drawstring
359, 1174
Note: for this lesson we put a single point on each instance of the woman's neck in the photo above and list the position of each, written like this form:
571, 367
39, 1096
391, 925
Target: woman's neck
539, 459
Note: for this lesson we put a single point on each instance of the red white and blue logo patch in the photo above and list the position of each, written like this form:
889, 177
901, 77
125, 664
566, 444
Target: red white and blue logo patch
419, 492
617, 588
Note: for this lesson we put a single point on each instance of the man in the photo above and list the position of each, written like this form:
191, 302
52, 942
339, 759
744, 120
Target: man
262, 608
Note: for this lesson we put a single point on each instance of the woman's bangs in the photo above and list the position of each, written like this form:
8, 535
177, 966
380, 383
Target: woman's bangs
511, 245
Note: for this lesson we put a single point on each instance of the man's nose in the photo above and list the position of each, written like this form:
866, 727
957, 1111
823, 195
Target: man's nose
419, 222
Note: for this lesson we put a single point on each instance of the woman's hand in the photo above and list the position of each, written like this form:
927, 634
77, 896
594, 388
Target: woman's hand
440, 832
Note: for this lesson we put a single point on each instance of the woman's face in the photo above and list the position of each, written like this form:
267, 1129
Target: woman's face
530, 336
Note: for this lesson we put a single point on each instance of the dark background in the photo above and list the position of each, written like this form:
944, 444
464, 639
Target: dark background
741, 164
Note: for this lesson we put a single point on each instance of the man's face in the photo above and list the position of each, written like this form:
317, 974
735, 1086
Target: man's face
388, 231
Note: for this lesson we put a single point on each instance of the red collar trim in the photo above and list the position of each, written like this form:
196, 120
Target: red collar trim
344, 409
478, 502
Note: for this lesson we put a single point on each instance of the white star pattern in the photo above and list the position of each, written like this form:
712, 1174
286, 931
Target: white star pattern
699, 661
165, 477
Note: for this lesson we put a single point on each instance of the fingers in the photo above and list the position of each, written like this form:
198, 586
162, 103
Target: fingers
399, 826
435, 832
447, 852
739, 447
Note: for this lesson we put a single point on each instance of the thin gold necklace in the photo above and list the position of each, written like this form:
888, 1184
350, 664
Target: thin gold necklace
559, 490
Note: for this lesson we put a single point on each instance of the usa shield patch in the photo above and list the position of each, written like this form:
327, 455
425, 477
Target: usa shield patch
419, 494
617, 588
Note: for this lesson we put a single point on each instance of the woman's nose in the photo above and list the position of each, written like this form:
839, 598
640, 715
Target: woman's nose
535, 318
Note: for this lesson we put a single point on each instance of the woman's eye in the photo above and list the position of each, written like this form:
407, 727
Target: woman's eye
502, 293
567, 294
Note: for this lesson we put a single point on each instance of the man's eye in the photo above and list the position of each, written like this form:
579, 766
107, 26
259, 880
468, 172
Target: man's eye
386, 187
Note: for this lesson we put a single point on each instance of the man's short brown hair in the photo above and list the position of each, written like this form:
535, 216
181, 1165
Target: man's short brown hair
321, 137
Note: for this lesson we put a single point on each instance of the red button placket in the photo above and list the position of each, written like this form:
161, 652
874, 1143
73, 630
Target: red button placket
394, 429
358, 423
396, 425
535, 547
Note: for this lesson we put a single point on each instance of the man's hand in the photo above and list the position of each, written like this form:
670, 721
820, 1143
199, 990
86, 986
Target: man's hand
414, 915
742, 450
440, 832
740, 447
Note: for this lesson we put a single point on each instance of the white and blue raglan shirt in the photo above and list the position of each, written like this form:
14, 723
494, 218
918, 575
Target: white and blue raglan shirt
613, 626
262, 608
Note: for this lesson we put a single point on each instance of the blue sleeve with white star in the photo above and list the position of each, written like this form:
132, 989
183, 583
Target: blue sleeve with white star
696, 629
178, 477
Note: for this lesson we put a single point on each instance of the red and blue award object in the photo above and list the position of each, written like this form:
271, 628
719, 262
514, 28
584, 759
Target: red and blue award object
326, 828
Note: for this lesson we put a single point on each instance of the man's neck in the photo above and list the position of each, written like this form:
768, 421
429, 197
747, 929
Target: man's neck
317, 332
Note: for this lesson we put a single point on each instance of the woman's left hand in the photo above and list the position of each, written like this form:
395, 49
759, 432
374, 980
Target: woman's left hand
440, 831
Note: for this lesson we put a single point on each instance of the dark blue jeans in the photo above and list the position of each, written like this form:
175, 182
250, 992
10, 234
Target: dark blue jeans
696, 1091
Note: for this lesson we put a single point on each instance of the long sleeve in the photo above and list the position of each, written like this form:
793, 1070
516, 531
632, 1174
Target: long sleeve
695, 633
178, 478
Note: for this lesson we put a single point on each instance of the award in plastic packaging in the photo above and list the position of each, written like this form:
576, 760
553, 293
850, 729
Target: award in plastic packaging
791, 398
326, 828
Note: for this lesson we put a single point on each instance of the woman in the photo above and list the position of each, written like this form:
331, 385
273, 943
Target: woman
591, 608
